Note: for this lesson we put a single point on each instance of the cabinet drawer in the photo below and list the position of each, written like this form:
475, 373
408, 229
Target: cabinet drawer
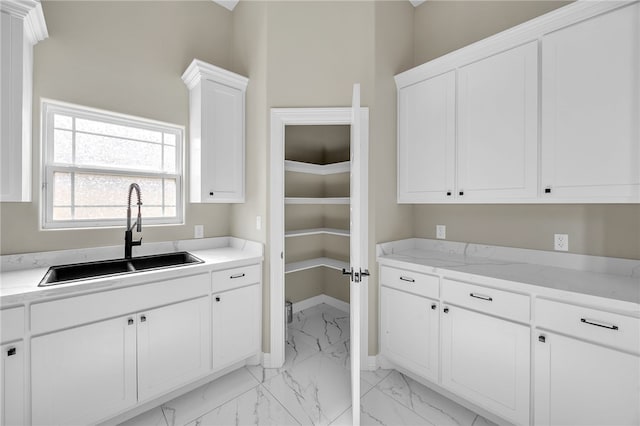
590, 324
12, 323
490, 300
58, 314
236, 277
409, 281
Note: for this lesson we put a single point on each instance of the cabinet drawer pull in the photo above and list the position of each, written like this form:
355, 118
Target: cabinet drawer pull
542, 339
434, 306
591, 322
11, 352
408, 279
461, 193
448, 193
446, 310
481, 296
217, 298
130, 321
237, 276
143, 318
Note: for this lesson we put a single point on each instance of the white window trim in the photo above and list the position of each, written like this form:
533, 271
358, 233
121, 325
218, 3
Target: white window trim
48, 108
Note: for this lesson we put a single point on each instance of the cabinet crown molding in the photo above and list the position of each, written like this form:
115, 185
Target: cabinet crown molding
199, 69
31, 12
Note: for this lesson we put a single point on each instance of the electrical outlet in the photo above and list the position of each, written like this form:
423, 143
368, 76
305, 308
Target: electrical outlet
258, 222
441, 232
561, 242
198, 231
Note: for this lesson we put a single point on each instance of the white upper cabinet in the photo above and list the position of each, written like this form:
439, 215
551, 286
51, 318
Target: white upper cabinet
426, 130
216, 129
498, 126
545, 112
590, 112
21, 27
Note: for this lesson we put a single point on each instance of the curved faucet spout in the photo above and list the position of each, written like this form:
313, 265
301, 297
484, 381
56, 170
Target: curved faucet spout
128, 235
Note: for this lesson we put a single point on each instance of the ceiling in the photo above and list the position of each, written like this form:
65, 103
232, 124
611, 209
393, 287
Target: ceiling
230, 4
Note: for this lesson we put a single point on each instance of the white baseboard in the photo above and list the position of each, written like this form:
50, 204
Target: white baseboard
321, 298
372, 363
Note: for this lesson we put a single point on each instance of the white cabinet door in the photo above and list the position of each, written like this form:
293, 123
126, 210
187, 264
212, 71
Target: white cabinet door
236, 325
581, 383
487, 361
173, 346
498, 126
84, 374
409, 331
12, 384
222, 143
426, 140
590, 109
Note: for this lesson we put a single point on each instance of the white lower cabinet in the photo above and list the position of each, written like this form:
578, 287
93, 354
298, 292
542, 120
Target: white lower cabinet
582, 383
487, 361
12, 384
173, 346
236, 324
84, 374
409, 331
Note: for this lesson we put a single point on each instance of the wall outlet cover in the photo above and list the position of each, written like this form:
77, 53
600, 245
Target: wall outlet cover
441, 232
561, 242
198, 231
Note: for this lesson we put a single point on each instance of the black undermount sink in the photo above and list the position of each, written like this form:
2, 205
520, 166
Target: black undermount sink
81, 271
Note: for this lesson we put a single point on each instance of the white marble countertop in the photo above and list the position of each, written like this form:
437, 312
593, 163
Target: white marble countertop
546, 273
21, 274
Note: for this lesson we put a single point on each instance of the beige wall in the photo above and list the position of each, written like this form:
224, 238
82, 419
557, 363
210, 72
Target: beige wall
603, 230
126, 57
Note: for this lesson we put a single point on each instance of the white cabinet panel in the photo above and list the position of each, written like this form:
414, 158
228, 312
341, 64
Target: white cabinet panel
426, 140
498, 126
580, 383
12, 376
487, 361
84, 374
173, 346
409, 331
590, 109
236, 325
216, 130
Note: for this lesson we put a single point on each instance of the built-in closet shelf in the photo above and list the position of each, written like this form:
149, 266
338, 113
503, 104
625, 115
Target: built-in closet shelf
317, 169
314, 263
316, 231
328, 200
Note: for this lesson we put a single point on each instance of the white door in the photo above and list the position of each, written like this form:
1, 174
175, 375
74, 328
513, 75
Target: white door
581, 383
427, 140
173, 346
487, 361
358, 243
498, 126
236, 313
84, 374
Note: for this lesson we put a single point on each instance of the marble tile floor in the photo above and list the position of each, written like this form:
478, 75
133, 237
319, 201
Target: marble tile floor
311, 388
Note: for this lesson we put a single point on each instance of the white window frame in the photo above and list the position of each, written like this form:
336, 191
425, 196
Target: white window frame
50, 107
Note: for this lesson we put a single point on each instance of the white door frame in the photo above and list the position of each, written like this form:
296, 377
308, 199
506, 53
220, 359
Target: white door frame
281, 117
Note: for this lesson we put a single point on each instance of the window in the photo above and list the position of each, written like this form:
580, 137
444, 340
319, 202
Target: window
90, 157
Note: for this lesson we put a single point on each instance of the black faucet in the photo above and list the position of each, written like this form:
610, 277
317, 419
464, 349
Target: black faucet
128, 235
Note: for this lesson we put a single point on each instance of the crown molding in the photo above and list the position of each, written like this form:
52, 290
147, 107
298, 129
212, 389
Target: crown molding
30, 11
199, 69
417, 3
227, 4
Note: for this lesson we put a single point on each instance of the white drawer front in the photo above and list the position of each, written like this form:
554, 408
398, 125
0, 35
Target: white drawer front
236, 277
490, 300
598, 326
58, 314
12, 323
409, 281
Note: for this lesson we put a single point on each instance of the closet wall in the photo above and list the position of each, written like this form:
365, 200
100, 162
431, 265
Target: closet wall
316, 145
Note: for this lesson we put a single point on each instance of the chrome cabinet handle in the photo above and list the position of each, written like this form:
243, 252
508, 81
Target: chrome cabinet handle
597, 324
237, 276
408, 279
481, 296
